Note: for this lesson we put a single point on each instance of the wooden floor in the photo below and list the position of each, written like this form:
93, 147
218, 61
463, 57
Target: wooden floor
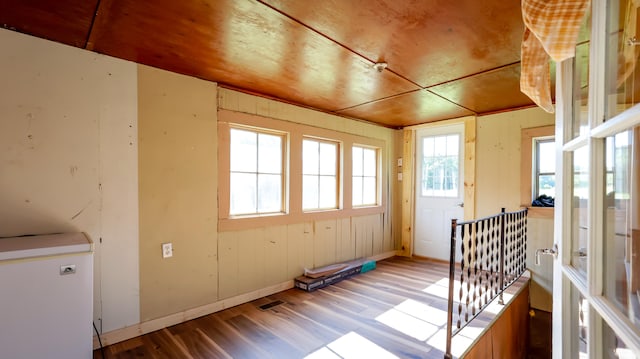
397, 310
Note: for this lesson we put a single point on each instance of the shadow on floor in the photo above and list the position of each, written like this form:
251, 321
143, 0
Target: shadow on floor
539, 335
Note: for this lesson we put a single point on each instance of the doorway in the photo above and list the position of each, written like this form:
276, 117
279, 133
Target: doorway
439, 188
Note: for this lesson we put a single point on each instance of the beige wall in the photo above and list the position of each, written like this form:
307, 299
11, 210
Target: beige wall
68, 133
498, 185
177, 187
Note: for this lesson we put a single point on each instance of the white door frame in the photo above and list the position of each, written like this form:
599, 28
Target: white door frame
567, 278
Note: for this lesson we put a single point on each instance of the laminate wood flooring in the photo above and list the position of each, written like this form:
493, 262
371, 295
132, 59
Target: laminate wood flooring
397, 310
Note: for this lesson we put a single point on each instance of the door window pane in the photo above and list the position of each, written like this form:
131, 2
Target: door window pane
319, 174
440, 166
581, 80
622, 223
622, 76
614, 347
580, 208
581, 305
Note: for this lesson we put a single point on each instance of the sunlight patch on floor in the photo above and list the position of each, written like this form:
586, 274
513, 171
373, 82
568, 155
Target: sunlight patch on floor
351, 346
407, 324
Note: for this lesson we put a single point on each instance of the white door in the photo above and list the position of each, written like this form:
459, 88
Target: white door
596, 305
439, 188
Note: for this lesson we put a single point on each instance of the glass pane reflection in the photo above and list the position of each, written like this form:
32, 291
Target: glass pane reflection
614, 347
580, 209
623, 77
581, 80
622, 223
582, 316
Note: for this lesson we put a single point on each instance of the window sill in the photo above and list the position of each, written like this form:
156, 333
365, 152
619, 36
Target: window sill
540, 212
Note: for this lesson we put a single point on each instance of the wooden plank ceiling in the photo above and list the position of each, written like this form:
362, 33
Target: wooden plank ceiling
446, 59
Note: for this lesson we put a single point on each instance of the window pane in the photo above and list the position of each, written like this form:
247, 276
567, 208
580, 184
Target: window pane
269, 153
244, 151
547, 156
614, 347
622, 223
357, 191
310, 193
357, 161
440, 144
310, 160
427, 148
369, 163
243, 193
452, 145
328, 194
369, 190
581, 80
580, 209
547, 185
582, 306
622, 76
269, 193
328, 157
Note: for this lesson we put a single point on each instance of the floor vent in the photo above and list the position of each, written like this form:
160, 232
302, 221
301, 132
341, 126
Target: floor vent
271, 304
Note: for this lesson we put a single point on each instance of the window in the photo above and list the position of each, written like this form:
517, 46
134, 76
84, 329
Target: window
545, 167
319, 174
537, 169
365, 176
256, 172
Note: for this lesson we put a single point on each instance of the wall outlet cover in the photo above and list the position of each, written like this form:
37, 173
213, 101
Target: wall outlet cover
167, 250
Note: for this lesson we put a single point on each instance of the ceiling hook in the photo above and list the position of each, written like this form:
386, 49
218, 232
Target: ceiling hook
380, 66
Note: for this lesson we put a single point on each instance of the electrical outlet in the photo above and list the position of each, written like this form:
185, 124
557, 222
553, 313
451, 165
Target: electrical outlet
167, 250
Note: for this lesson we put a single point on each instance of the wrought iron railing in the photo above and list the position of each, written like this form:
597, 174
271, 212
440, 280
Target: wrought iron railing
491, 255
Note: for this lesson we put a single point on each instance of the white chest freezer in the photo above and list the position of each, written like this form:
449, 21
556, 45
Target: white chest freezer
46, 296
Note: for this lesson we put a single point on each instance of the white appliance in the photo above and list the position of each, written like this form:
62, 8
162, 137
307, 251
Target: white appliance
46, 297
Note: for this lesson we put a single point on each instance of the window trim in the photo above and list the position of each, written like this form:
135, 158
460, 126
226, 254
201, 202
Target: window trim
527, 136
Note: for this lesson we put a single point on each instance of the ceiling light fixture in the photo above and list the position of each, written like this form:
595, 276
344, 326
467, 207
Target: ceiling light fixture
380, 66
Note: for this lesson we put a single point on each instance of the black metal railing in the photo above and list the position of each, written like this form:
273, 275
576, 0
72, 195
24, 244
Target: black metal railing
492, 254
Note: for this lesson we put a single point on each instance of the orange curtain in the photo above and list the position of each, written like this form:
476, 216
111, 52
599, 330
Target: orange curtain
551, 30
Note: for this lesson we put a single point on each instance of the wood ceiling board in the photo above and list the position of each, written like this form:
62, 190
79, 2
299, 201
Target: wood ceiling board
408, 109
65, 21
487, 92
426, 41
244, 44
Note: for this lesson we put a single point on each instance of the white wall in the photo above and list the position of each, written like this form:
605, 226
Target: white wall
68, 133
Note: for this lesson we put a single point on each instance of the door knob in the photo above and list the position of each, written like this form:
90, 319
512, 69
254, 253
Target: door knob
461, 204
549, 251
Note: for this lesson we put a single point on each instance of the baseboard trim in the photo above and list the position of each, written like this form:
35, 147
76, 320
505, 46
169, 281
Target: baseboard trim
119, 335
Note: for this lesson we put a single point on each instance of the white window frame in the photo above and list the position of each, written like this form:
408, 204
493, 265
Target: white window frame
284, 136
377, 176
337, 175
535, 181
